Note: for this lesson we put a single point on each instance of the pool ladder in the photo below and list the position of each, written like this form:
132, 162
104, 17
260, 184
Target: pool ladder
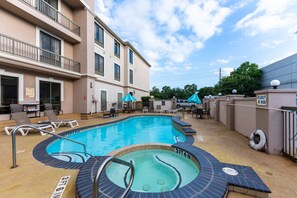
14, 163
102, 167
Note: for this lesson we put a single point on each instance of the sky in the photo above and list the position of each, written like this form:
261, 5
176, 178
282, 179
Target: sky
188, 41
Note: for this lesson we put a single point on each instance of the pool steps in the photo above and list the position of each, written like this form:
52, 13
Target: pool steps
182, 126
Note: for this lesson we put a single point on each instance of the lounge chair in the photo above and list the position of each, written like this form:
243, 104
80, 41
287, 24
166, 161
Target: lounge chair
174, 111
158, 109
56, 122
16, 108
145, 110
49, 106
22, 118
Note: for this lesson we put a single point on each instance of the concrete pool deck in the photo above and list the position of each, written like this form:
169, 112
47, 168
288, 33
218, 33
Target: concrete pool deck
34, 179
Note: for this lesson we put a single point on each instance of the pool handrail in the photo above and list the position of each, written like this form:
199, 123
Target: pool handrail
102, 167
14, 164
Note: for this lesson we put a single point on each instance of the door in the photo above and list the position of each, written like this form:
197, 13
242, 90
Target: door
50, 92
103, 100
120, 104
8, 92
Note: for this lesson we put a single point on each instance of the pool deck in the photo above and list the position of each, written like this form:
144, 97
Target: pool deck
34, 179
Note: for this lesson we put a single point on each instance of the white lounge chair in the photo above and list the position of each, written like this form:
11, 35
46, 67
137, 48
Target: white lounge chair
57, 122
21, 118
145, 110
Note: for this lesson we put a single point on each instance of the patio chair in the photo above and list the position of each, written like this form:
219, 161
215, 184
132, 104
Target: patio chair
113, 112
158, 109
16, 108
57, 122
49, 106
22, 118
145, 110
207, 113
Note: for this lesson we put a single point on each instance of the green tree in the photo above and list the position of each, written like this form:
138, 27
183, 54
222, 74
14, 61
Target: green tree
245, 79
166, 93
155, 92
189, 90
206, 91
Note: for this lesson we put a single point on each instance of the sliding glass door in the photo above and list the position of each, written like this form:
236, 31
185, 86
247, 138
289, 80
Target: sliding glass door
50, 92
8, 92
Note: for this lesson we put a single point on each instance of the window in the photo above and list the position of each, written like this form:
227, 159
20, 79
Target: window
8, 92
103, 100
52, 46
53, 3
99, 64
116, 48
117, 72
99, 35
130, 56
130, 76
163, 103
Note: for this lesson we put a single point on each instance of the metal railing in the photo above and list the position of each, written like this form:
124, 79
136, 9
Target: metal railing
14, 160
25, 50
102, 167
290, 132
53, 14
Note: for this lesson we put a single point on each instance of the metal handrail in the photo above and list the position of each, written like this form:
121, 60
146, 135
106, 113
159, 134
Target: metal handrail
26, 50
102, 167
14, 164
51, 12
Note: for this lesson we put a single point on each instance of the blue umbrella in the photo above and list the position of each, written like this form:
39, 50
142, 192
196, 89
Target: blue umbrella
194, 98
128, 97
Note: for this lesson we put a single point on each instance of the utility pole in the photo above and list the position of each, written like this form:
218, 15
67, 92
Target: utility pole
220, 74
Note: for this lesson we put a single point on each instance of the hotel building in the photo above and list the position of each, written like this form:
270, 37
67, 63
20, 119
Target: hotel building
60, 52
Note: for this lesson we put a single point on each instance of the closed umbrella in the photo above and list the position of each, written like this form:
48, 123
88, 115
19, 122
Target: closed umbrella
194, 98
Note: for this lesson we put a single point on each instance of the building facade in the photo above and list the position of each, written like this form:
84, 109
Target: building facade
284, 70
60, 52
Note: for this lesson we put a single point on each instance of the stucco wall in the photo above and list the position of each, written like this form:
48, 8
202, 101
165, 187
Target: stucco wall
245, 117
18, 28
167, 105
223, 111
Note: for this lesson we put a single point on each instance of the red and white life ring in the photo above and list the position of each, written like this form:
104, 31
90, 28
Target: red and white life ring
261, 143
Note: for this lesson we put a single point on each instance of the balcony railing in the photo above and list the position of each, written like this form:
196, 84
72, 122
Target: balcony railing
54, 14
25, 50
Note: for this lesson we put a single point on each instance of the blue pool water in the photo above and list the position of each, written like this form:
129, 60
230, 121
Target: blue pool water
103, 139
155, 171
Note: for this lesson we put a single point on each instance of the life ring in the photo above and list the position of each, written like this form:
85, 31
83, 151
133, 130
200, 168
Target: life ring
257, 145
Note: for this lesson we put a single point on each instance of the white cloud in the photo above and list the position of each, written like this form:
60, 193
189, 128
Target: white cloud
165, 30
223, 61
268, 16
271, 44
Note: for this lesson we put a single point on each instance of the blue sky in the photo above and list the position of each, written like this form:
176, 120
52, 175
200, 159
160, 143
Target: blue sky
187, 41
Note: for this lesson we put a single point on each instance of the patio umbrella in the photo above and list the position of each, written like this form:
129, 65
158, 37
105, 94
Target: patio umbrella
128, 98
194, 98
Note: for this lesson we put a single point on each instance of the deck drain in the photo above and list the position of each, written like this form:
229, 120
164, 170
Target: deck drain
164, 189
161, 182
146, 187
230, 171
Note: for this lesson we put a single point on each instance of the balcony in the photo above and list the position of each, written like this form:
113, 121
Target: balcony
24, 50
53, 14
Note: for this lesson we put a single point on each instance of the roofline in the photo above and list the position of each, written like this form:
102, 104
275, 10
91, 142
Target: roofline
120, 40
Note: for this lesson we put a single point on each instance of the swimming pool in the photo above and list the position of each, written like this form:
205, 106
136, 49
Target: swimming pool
156, 170
101, 140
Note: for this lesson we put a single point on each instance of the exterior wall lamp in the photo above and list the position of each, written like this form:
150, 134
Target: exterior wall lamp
234, 91
275, 83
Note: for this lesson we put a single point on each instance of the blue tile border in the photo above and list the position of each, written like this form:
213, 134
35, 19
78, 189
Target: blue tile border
211, 181
40, 154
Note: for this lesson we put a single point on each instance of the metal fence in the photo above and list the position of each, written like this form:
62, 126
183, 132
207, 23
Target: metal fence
290, 133
54, 14
25, 50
